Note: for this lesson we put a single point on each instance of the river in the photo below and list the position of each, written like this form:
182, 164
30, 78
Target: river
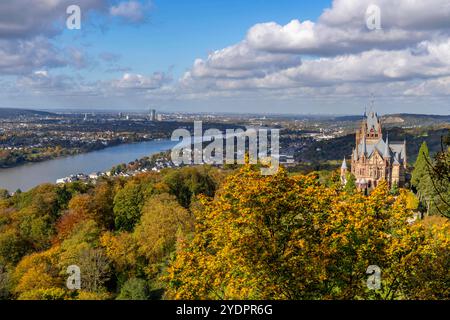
29, 175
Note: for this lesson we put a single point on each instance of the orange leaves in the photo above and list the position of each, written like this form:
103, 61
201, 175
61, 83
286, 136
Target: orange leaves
67, 223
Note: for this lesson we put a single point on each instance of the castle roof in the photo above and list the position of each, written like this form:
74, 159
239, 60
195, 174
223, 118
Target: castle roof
388, 151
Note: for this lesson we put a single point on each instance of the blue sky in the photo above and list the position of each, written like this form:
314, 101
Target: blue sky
226, 55
180, 31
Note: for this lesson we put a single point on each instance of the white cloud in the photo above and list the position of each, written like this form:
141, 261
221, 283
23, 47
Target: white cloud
132, 11
334, 54
24, 56
317, 39
41, 82
400, 14
241, 61
131, 81
24, 18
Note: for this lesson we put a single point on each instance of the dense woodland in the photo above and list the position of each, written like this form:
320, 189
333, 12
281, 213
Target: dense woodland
209, 233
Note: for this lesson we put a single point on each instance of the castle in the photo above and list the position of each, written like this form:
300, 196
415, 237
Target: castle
375, 159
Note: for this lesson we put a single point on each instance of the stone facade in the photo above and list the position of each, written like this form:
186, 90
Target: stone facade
375, 159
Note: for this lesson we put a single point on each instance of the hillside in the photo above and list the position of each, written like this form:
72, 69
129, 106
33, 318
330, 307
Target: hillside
14, 113
205, 233
422, 120
337, 149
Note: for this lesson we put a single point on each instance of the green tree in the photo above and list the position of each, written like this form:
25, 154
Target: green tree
188, 182
4, 194
12, 247
421, 166
395, 191
4, 283
134, 289
128, 203
350, 186
440, 177
422, 182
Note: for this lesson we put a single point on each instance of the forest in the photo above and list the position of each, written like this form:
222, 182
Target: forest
228, 233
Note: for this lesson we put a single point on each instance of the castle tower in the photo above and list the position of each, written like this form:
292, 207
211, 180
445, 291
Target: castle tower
370, 128
344, 170
375, 159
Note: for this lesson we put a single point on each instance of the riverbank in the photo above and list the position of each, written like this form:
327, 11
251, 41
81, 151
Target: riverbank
29, 175
17, 158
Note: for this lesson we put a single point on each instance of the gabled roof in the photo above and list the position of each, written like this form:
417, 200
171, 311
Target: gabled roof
386, 150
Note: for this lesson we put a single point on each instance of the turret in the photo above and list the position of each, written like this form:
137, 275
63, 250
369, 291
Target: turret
387, 153
344, 170
364, 147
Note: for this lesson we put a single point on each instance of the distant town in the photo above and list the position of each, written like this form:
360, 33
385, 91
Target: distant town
307, 143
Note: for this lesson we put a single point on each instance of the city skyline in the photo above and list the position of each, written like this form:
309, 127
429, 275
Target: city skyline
292, 57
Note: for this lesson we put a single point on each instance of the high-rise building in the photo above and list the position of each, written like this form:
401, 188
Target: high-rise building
152, 115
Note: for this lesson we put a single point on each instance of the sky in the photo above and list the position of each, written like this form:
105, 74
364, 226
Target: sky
253, 56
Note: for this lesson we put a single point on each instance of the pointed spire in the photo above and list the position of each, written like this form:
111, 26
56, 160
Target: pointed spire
344, 164
372, 102
387, 154
364, 150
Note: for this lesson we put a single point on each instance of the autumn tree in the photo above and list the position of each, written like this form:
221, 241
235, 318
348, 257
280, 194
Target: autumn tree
188, 182
95, 270
440, 177
162, 218
37, 271
282, 237
128, 203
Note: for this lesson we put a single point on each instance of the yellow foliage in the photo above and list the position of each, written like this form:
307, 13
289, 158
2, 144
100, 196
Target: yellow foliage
84, 295
120, 248
162, 217
288, 237
37, 271
46, 294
